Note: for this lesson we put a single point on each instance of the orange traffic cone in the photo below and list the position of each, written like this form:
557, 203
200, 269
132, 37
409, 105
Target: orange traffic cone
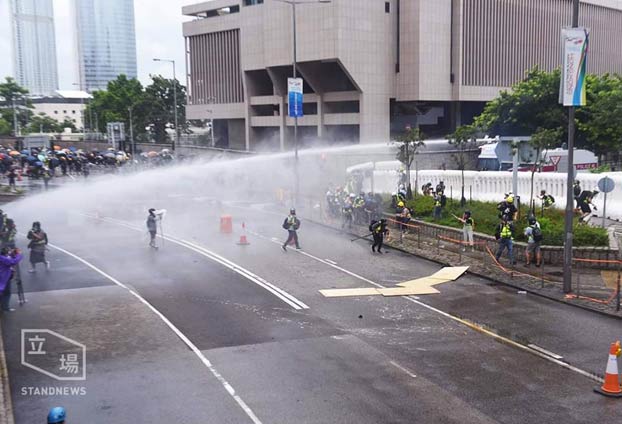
243, 241
611, 387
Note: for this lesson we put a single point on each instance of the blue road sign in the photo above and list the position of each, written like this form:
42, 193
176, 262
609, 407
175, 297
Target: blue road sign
294, 97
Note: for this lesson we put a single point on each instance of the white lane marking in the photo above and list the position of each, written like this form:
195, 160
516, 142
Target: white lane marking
278, 292
546, 352
401, 368
228, 387
465, 322
331, 262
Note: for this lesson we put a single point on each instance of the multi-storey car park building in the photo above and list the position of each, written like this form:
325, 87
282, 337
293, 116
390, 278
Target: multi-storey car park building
372, 66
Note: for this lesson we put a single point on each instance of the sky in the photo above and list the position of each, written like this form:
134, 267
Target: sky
158, 34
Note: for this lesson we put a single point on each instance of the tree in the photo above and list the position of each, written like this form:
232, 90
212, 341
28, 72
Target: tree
462, 140
410, 141
43, 123
600, 122
531, 104
111, 105
68, 123
5, 127
541, 140
160, 101
16, 104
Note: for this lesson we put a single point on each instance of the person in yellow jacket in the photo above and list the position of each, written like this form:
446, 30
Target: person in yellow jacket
505, 236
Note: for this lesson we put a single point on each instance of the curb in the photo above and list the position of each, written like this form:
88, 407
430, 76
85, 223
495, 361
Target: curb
6, 405
484, 276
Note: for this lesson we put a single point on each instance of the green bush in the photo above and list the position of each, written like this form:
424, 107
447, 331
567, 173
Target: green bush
486, 217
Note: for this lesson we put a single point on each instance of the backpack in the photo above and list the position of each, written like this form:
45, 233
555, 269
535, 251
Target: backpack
371, 226
536, 233
285, 224
443, 200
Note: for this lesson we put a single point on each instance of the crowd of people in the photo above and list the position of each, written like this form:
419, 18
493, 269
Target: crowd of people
353, 208
47, 163
11, 256
366, 208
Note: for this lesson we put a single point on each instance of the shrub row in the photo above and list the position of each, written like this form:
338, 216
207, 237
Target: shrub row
486, 217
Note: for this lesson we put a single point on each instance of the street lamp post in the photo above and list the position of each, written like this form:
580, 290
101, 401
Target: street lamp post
176, 139
132, 144
211, 100
293, 4
567, 286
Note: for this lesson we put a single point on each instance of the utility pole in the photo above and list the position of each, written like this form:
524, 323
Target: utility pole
132, 145
15, 123
293, 3
176, 139
296, 170
568, 228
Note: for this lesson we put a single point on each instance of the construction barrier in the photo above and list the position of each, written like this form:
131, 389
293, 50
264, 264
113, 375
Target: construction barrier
611, 385
226, 224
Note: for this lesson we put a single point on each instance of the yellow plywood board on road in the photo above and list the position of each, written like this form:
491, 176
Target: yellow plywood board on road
365, 291
425, 281
450, 273
408, 291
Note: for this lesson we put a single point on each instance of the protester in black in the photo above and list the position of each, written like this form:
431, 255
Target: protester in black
378, 230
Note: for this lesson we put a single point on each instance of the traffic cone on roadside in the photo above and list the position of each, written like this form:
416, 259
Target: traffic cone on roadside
243, 241
611, 386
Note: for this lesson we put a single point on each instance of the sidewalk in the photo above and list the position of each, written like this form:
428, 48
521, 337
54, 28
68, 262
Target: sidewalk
593, 289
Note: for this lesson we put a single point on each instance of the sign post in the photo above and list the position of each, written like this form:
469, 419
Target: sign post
605, 185
574, 42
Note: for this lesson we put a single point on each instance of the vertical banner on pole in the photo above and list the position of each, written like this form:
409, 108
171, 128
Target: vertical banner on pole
294, 96
575, 43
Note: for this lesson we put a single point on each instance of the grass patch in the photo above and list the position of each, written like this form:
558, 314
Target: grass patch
486, 219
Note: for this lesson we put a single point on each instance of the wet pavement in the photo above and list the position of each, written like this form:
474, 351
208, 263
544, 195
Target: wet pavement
348, 360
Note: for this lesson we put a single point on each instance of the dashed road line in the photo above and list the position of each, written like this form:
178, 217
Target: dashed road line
228, 387
401, 368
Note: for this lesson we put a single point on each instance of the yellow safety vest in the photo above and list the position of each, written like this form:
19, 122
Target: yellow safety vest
506, 232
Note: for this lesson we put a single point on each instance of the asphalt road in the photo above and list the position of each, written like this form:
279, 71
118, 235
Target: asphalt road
226, 349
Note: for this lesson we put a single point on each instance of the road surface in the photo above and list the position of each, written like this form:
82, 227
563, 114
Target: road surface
204, 330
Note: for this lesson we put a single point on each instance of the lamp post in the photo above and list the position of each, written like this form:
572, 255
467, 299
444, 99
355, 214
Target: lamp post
132, 144
567, 286
176, 139
210, 101
293, 4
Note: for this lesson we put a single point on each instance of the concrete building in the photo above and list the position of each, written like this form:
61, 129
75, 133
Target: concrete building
64, 104
34, 46
106, 41
371, 67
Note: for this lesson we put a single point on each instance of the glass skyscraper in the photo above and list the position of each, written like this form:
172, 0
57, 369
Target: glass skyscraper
34, 45
106, 41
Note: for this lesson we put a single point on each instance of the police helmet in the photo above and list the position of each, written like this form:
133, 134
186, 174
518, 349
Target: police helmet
292, 211
56, 415
532, 221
